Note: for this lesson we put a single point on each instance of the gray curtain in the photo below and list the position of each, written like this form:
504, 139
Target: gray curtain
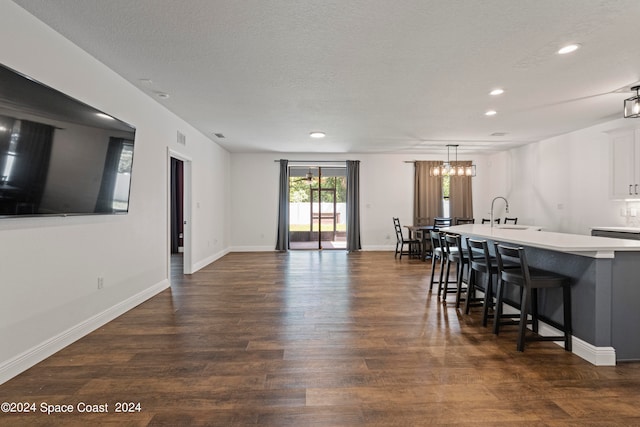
427, 197
460, 195
353, 205
282, 242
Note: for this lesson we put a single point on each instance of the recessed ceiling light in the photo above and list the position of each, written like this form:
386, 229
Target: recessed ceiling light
146, 81
162, 95
568, 49
498, 134
317, 134
496, 92
104, 116
491, 113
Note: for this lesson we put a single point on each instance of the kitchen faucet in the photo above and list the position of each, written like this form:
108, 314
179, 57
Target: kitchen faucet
506, 207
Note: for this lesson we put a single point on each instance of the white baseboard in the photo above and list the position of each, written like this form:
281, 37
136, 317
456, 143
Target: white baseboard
36, 354
386, 248
203, 263
599, 356
252, 249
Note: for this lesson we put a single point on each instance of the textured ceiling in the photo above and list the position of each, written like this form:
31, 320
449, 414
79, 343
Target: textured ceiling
375, 75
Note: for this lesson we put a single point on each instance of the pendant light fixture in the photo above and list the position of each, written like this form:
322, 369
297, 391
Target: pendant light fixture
454, 168
632, 105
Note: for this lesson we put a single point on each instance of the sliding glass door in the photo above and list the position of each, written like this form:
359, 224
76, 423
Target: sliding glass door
317, 207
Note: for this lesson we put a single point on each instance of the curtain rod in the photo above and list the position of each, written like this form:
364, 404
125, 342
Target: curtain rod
312, 161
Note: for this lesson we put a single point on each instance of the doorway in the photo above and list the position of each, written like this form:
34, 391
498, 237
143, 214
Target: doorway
317, 208
179, 227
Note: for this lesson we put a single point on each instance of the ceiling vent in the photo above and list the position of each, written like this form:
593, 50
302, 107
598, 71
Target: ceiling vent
181, 139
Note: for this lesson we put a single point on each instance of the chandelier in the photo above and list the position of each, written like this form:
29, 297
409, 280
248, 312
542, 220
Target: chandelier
454, 168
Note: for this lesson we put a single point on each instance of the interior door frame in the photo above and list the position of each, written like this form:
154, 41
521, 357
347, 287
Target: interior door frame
186, 211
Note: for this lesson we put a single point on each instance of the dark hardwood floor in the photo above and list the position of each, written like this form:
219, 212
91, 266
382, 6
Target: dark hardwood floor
317, 339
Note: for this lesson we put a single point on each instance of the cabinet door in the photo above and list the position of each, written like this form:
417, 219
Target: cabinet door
623, 155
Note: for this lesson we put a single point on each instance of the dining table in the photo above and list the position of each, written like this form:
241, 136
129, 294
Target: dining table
422, 233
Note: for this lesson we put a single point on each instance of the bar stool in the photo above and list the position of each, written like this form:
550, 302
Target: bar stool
454, 254
530, 280
437, 253
480, 262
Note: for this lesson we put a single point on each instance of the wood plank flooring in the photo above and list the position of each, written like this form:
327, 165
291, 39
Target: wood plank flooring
317, 339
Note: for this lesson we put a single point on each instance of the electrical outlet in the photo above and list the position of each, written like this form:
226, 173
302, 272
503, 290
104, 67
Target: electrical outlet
100, 282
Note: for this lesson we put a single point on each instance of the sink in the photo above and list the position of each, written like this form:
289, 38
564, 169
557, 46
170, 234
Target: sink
512, 227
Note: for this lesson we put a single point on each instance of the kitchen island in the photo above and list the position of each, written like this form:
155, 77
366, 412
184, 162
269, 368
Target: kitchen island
605, 275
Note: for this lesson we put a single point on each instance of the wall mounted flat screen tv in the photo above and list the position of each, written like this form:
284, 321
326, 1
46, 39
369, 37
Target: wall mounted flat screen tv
59, 156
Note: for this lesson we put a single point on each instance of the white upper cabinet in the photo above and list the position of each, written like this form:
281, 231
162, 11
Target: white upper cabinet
625, 163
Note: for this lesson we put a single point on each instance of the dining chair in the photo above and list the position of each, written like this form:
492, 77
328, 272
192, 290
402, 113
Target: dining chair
401, 241
487, 221
508, 220
439, 222
460, 221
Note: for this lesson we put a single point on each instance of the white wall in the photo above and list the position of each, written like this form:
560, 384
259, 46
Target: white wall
386, 191
49, 266
562, 183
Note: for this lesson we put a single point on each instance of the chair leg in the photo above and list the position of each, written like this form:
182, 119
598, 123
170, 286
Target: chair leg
442, 262
566, 291
522, 326
471, 289
488, 299
433, 271
497, 311
534, 310
459, 275
444, 288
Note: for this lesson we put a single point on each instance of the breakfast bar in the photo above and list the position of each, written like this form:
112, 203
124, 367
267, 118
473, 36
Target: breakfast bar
605, 288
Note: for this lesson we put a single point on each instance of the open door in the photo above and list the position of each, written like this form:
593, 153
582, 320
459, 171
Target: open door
179, 227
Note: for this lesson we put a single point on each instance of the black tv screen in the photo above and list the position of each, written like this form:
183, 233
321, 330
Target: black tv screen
59, 156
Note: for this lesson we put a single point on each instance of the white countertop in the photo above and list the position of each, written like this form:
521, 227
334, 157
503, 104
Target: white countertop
634, 230
579, 244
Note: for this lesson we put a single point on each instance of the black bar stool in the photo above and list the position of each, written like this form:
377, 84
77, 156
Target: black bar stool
454, 254
530, 280
437, 254
480, 262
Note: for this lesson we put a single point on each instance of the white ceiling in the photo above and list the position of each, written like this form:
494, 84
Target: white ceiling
375, 75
